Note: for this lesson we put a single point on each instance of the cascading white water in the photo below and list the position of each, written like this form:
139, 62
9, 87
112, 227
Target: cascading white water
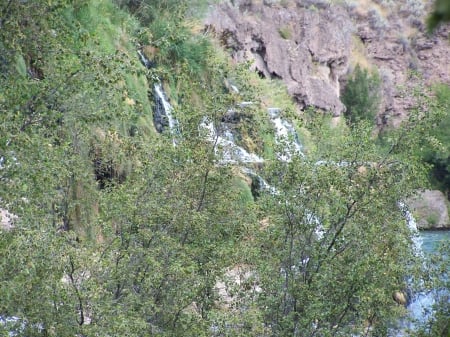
225, 147
412, 225
229, 152
167, 107
144, 60
285, 134
163, 113
420, 306
263, 185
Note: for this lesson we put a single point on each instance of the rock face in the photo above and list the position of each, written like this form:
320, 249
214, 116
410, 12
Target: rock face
313, 45
393, 37
308, 48
430, 210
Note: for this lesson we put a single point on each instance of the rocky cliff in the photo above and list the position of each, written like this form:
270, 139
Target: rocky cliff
300, 46
312, 45
394, 40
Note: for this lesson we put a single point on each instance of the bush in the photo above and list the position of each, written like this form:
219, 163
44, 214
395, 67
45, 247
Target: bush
169, 28
361, 95
440, 158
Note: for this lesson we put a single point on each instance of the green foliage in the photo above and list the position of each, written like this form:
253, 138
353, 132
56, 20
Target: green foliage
285, 32
339, 280
437, 151
361, 95
169, 26
440, 14
120, 233
439, 278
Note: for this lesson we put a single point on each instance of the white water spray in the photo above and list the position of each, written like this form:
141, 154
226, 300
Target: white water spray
285, 134
225, 147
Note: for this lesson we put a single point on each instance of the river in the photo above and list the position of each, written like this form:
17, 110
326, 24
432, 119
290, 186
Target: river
432, 239
421, 307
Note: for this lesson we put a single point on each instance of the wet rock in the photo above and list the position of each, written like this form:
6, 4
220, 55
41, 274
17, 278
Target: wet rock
400, 297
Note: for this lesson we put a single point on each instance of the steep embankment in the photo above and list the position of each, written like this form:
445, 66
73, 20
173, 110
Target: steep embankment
120, 230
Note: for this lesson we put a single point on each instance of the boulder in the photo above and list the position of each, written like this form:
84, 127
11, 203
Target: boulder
6, 219
400, 297
430, 209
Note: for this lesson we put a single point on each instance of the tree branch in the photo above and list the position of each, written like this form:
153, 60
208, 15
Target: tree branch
77, 292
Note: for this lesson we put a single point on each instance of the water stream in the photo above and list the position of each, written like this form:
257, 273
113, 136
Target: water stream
163, 116
228, 152
225, 147
420, 308
286, 136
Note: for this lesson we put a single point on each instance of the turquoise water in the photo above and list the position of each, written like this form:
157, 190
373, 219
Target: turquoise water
432, 239
420, 308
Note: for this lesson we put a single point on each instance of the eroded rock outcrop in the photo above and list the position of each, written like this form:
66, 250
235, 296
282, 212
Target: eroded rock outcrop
313, 45
430, 210
307, 47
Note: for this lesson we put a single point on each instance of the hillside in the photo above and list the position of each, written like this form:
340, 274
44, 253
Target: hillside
153, 183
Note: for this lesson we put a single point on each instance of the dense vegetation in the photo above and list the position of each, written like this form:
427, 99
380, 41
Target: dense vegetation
362, 96
439, 156
120, 233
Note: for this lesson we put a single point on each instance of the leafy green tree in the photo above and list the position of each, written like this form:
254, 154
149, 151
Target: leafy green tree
118, 232
439, 154
361, 95
440, 14
336, 246
438, 323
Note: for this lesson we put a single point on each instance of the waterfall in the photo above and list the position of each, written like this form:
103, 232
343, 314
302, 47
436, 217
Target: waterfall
228, 152
225, 147
262, 184
420, 306
145, 61
285, 135
412, 225
163, 112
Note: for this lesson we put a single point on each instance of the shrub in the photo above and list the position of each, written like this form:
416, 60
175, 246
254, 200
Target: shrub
285, 32
439, 157
361, 95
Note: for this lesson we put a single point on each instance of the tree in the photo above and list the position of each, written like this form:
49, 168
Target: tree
119, 232
437, 153
361, 95
335, 245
